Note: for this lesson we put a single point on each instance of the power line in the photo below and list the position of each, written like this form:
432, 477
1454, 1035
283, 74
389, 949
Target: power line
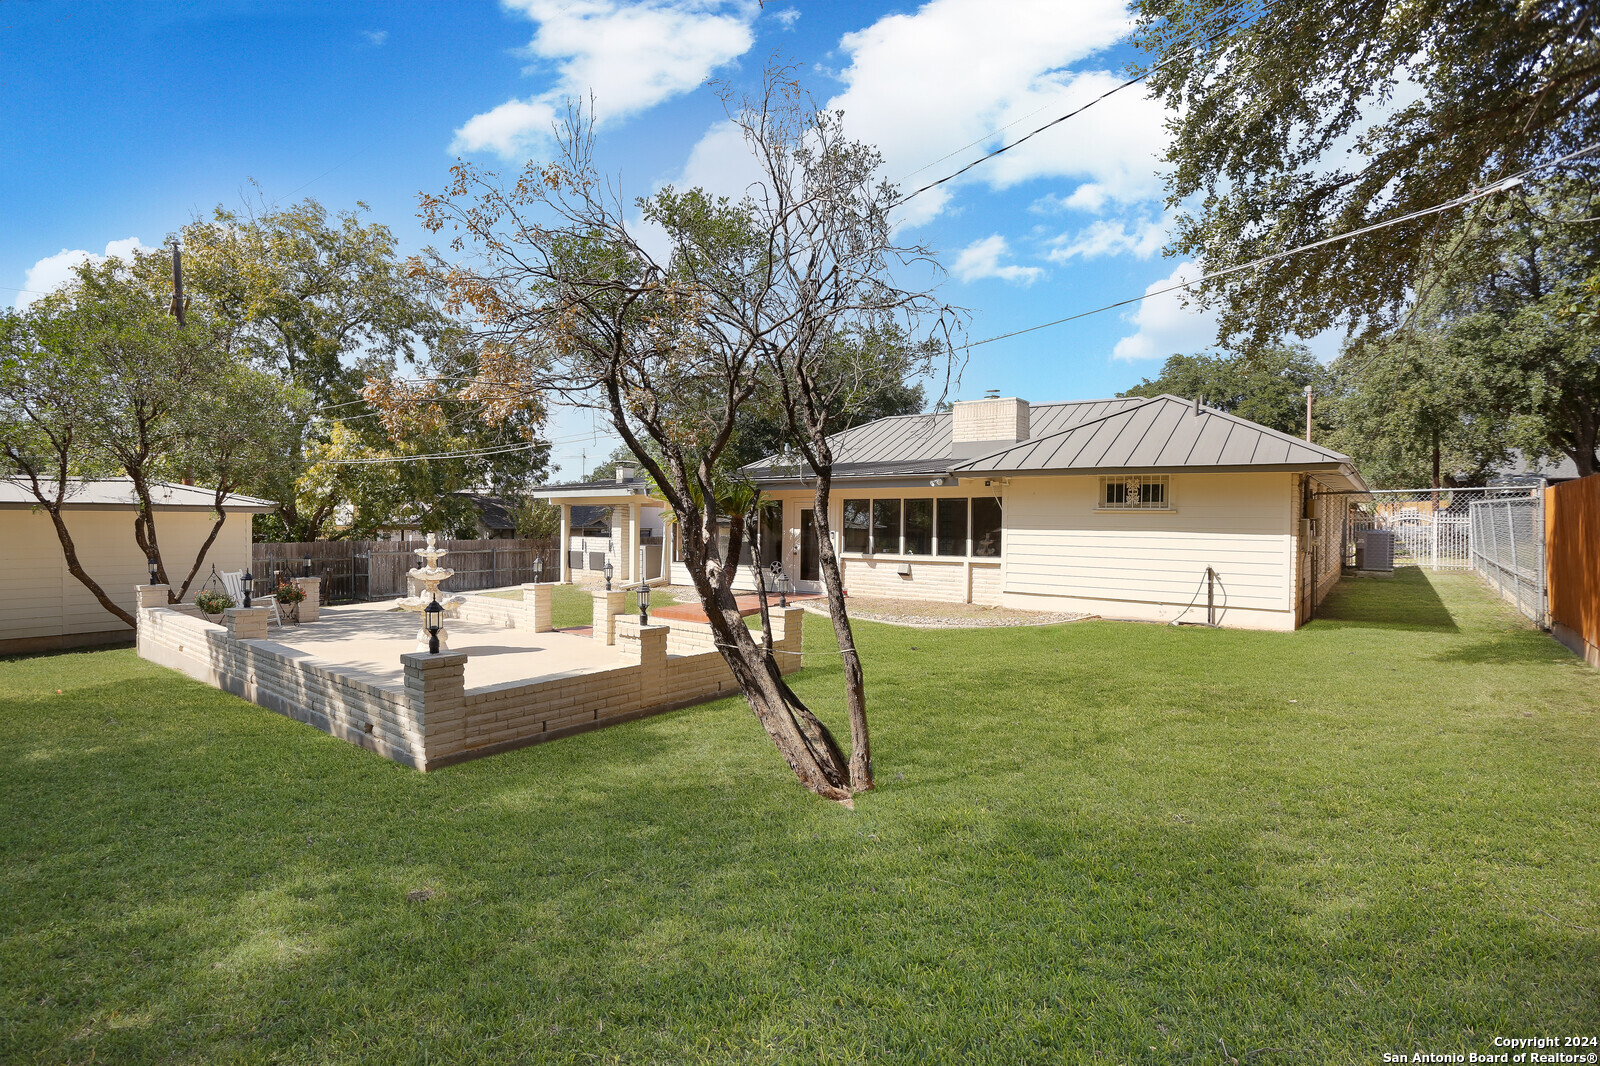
1055, 121
1503, 185
1016, 121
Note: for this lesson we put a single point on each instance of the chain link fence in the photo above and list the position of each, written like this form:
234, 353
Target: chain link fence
1432, 528
1507, 548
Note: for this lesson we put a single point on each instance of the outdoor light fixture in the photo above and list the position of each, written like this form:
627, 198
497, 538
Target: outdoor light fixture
779, 578
154, 566
644, 605
433, 621
308, 564
538, 569
248, 583
608, 570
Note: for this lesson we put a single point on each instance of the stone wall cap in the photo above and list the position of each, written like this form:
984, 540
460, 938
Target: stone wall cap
427, 661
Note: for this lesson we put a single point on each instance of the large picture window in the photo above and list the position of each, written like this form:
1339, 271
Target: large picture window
952, 527
986, 526
886, 526
857, 520
919, 527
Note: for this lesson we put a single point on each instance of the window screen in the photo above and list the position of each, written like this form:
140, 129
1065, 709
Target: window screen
919, 527
952, 527
856, 518
886, 526
986, 526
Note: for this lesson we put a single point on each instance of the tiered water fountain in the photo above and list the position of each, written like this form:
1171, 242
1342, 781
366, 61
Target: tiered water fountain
422, 585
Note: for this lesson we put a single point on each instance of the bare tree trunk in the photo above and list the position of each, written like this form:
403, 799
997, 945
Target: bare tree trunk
855, 682
200, 556
75, 568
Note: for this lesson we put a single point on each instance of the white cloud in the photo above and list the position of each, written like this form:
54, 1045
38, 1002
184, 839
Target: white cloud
1143, 238
953, 71
376, 38
1165, 325
787, 17
630, 56
981, 259
54, 271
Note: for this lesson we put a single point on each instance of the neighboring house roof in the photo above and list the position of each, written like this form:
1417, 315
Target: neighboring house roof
493, 512
1087, 436
1161, 433
1519, 472
117, 493
596, 518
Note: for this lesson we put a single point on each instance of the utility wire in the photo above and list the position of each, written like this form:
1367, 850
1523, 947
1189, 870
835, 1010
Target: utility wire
1057, 121
1503, 185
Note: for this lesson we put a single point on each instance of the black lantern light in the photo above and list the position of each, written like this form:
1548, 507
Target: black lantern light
644, 605
433, 621
154, 566
307, 561
248, 583
538, 569
608, 570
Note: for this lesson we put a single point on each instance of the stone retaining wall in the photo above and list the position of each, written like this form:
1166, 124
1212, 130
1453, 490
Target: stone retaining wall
430, 719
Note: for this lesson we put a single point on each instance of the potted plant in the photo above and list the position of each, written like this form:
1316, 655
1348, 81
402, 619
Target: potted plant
290, 595
212, 603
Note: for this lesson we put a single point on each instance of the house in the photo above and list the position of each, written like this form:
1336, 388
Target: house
42, 606
614, 521
1519, 471
1134, 508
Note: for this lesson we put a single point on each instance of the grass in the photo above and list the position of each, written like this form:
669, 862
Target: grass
1093, 843
573, 605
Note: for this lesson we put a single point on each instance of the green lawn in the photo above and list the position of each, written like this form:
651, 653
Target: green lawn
574, 605
1092, 843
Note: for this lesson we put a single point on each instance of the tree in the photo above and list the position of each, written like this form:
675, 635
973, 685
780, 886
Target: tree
1268, 387
1294, 122
328, 303
571, 303
96, 380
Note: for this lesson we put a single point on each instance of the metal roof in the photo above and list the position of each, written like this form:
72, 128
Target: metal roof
634, 486
116, 493
1161, 433
920, 444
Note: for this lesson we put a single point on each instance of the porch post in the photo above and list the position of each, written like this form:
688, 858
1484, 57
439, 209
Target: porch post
635, 569
564, 545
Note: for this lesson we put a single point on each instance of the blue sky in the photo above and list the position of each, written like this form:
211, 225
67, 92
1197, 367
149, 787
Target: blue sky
123, 121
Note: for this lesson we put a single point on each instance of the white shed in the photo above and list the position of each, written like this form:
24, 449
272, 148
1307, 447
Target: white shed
42, 606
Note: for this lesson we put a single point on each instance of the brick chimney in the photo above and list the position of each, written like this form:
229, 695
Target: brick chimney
979, 427
624, 472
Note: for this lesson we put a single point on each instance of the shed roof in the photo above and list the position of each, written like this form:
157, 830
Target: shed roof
116, 493
1161, 433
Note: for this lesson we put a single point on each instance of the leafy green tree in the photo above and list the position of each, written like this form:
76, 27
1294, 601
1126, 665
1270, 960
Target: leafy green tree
97, 380
327, 302
1293, 122
1268, 387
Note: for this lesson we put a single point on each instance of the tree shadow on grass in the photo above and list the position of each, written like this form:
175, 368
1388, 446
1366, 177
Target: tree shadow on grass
1407, 600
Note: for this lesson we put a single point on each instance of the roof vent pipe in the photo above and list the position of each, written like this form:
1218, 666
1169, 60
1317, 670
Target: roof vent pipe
991, 394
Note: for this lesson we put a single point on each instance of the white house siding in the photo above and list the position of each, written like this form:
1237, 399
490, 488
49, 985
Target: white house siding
43, 606
1063, 553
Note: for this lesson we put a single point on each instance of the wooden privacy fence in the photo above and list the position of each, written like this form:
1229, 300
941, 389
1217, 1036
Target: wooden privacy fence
357, 570
1572, 546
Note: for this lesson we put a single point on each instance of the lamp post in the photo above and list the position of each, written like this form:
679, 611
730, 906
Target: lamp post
538, 567
154, 567
433, 621
608, 570
307, 561
247, 583
644, 605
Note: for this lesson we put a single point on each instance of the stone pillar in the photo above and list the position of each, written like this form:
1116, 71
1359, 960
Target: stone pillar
435, 697
647, 646
564, 545
152, 595
607, 605
787, 624
537, 604
246, 623
311, 606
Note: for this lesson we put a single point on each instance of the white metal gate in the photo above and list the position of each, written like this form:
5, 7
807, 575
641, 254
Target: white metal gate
1432, 528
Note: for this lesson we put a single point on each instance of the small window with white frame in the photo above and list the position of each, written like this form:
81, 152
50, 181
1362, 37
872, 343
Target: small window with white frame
1136, 492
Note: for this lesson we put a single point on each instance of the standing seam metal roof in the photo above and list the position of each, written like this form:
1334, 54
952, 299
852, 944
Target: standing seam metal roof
1163, 432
